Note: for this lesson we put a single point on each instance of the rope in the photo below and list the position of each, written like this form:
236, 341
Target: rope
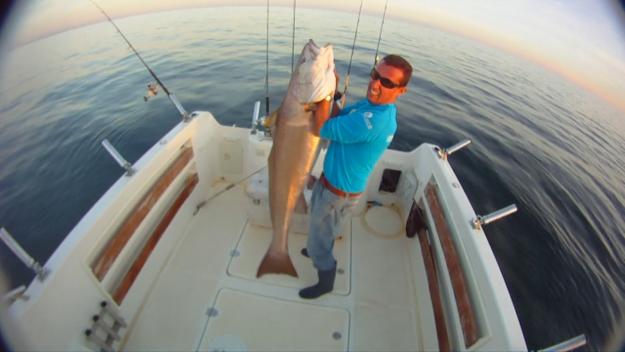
293, 41
351, 56
379, 234
267, 66
226, 189
375, 59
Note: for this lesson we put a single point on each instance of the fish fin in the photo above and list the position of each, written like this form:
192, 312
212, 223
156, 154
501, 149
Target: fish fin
276, 264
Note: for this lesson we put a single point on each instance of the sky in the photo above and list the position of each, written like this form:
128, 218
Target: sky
582, 40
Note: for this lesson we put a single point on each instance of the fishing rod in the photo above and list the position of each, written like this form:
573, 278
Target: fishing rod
171, 96
351, 56
293, 39
267, 66
377, 49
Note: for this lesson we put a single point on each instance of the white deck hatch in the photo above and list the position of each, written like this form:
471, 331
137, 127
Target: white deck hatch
248, 322
253, 246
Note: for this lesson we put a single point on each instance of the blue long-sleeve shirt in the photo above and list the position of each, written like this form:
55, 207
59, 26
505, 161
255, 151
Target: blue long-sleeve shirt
358, 137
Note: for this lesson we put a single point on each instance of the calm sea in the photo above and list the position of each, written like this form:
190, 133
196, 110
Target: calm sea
538, 140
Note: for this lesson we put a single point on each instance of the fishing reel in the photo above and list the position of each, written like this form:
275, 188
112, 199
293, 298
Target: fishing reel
152, 91
263, 124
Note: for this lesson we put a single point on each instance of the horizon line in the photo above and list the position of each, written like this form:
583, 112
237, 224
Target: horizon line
588, 86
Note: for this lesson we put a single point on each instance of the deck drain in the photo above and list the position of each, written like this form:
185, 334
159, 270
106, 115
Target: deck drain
340, 271
212, 312
235, 253
337, 335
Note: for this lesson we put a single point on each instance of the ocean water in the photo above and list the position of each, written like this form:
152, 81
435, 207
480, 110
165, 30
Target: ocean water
538, 140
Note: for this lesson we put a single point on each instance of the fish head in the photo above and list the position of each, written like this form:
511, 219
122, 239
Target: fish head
314, 78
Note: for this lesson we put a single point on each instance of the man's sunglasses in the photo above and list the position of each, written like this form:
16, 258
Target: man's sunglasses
385, 82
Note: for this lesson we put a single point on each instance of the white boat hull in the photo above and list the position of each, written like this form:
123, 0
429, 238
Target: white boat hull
196, 288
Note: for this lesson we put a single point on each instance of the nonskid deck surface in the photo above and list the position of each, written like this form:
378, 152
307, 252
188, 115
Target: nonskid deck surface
243, 321
208, 298
254, 242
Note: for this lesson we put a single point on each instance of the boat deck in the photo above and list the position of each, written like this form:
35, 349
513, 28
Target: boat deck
174, 250
208, 298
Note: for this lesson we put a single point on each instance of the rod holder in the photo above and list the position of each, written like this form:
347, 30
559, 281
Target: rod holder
105, 327
98, 341
444, 153
118, 157
494, 216
181, 110
97, 322
15, 294
108, 309
21, 253
568, 345
255, 115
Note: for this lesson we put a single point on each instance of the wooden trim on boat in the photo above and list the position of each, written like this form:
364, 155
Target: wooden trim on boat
130, 277
435, 294
115, 245
458, 281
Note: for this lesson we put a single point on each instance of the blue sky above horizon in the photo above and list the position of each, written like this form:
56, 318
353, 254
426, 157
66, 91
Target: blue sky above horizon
582, 40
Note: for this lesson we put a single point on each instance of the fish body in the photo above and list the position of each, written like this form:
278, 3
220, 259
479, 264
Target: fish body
295, 149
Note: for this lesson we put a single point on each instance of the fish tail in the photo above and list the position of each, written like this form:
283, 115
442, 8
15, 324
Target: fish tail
276, 264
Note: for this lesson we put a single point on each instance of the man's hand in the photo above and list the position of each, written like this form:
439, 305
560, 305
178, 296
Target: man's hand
321, 114
336, 109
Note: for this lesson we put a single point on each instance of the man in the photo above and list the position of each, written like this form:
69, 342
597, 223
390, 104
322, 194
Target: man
358, 136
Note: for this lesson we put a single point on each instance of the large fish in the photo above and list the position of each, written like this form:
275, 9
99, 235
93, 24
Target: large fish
295, 149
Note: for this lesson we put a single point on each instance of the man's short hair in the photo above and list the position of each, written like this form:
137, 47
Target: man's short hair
402, 64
